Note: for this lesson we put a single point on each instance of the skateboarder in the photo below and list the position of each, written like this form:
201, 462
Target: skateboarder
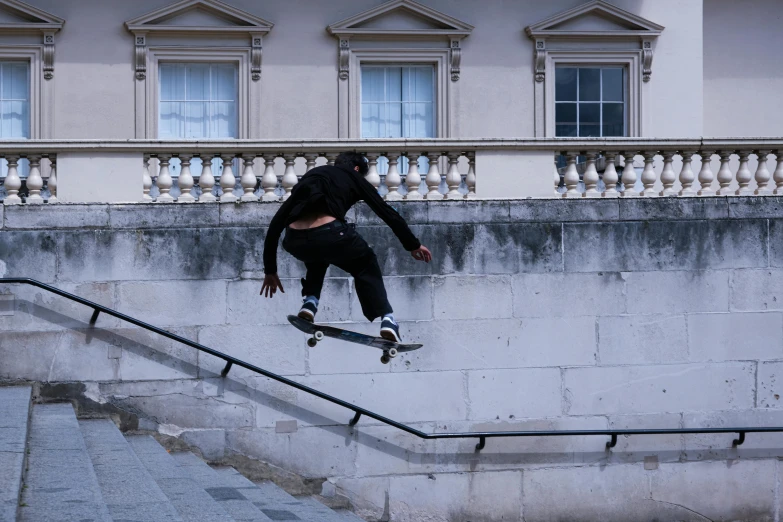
317, 234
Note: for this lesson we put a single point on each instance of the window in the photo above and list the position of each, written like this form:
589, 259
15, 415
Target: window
590, 101
14, 108
398, 102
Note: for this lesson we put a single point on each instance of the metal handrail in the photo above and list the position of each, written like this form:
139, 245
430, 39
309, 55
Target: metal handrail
359, 411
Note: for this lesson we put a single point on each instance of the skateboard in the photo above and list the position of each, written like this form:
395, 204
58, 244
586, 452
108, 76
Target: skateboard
319, 331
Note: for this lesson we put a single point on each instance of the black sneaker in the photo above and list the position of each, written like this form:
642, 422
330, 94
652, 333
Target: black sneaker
308, 311
390, 330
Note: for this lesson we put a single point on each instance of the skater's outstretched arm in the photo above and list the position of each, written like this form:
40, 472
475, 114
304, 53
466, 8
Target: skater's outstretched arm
271, 282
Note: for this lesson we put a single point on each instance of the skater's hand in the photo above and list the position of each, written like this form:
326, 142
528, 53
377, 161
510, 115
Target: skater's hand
271, 284
422, 254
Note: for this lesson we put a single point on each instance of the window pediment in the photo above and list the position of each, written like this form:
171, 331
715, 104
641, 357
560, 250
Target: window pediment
199, 16
400, 18
21, 18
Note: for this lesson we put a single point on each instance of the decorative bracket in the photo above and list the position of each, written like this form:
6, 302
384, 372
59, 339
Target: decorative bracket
255, 57
345, 56
540, 60
48, 55
647, 55
141, 56
456, 57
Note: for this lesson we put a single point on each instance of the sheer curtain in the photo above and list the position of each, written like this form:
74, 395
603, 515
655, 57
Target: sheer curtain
14, 107
197, 100
398, 102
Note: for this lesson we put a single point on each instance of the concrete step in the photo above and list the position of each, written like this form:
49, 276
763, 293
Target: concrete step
275, 502
61, 484
344, 515
14, 423
192, 502
130, 492
232, 500
349, 516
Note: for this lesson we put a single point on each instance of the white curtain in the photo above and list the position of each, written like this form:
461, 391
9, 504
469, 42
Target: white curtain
197, 100
14, 107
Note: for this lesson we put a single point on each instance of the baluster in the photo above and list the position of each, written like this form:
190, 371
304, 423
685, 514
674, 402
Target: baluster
591, 177
648, 174
762, 175
330, 158
393, 179
207, 180
248, 179
743, 174
13, 183
470, 179
571, 176
556, 177
778, 175
413, 178
165, 182
227, 179
668, 177
433, 177
269, 179
610, 176
53, 178
686, 174
705, 174
35, 181
146, 179
372, 172
629, 176
453, 178
310, 159
724, 172
289, 176
185, 180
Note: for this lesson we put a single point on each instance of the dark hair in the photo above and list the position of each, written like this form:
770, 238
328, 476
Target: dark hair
349, 160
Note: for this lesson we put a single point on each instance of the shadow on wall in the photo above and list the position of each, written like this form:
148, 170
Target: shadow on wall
499, 453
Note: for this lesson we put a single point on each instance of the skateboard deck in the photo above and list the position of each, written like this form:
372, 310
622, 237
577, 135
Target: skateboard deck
319, 331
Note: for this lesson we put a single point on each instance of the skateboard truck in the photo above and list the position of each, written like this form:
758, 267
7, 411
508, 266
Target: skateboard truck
388, 355
318, 335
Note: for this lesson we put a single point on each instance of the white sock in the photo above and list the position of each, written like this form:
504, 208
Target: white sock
390, 317
312, 299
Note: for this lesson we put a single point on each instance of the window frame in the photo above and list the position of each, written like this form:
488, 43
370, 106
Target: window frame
40, 93
246, 111
600, 101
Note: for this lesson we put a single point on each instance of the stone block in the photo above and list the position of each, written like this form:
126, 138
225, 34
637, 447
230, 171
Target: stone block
498, 343
28, 254
677, 292
211, 443
659, 389
247, 214
719, 446
672, 209
247, 307
587, 494
27, 355
413, 212
312, 452
332, 356
659, 245
634, 448
57, 216
410, 297
753, 207
472, 297
279, 349
515, 393
770, 384
757, 290
447, 497
568, 295
385, 450
563, 210
75, 360
453, 250
776, 243
368, 495
734, 490
82, 177
518, 247
174, 303
735, 336
178, 411
642, 339
468, 211
152, 215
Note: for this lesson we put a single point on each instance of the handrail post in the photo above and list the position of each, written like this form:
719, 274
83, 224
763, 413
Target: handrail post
739, 441
355, 419
481, 444
93, 320
226, 369
612, 443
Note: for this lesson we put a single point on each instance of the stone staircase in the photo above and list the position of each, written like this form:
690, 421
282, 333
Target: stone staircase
54, 467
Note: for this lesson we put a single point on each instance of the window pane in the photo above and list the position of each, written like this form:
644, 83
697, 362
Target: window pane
589, 119
417, 84
373, 84
613, 85
393, 122
565, 119
589, 84
223, 122
15, 84
398, 102
172, 82
197, 77
418, 119
393, 84
170, 122
371, 120
195, 120
614, 120
15, 119
565, 84
223, 83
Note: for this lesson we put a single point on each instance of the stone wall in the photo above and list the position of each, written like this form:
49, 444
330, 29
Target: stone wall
535, 314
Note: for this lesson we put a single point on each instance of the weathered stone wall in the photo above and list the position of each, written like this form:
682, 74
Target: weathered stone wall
537, 314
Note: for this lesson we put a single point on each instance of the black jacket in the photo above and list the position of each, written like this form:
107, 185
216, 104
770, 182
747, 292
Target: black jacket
331, 190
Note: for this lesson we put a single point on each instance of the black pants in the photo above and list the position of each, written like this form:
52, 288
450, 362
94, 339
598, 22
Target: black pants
339, 244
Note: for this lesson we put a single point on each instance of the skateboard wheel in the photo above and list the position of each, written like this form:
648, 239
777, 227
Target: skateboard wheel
318, 335
311, 342
392, 352
385, 359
